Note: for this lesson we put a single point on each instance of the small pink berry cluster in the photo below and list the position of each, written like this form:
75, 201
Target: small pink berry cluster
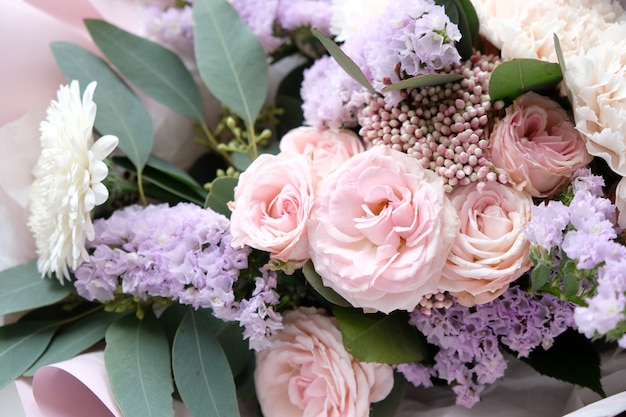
445, 127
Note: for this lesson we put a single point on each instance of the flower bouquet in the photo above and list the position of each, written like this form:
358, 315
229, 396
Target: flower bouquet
409, 207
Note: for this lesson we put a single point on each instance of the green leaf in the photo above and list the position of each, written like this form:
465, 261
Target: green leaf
154, 69
137, 361
379, 337
561, 59
20, 346
473, 24
511, 79
74, 338
343, 60
456, 12
288, 98
426, 80
241, 161
120, 111
23, 288
222, 191
572, 359
203, 377
171, 318
230, 58
315, 280
389, 406
169, 178
539, 276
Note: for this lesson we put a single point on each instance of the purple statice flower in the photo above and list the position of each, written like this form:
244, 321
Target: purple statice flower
547, 224
259, 16
182, 253
468, 338
293, 14
172, 26
417, 374
584, 180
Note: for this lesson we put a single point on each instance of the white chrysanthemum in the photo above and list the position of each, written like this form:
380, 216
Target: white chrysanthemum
68, 178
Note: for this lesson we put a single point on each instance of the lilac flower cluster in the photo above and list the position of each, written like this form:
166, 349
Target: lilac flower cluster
172, 26
410, 38
585, 232
182, 253
468, 339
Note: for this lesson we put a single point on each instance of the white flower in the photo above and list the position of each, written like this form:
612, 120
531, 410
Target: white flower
350, 16
67, 182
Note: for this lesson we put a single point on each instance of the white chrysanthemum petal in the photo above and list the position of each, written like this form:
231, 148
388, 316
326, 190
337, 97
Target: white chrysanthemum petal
67, 181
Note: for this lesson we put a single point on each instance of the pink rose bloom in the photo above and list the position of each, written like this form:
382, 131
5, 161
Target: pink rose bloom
537, 145
326, 148
308, 372
491, 249
273, 199
380, 230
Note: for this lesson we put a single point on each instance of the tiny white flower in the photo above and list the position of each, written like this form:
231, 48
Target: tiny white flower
68, 181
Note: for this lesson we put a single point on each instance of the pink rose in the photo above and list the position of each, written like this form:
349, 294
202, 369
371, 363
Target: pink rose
327, 148
380, 230
308, 372
272, 203
491, 249
537, 145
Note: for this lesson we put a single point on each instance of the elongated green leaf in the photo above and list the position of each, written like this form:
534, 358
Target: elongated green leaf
23, 288
389, 406
222, 191
155, 70
137, 361
513, 78
426, 80
203, 377
473, 24
71, 340
559, 56
171, 319
120, 111
315, 280
230, 58
343, 60
20, 346
380, 337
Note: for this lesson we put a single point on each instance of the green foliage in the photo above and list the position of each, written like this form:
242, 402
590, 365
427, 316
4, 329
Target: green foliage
559, 56
23, 288
222, 191
424, 81
203, 376
154, 69
315, 280
120, 111
288, 98
462, 13
137, 360
511, 79
230, 58
343, 60
379, 337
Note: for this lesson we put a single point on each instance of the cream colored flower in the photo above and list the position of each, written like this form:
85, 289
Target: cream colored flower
349, 16
67, 182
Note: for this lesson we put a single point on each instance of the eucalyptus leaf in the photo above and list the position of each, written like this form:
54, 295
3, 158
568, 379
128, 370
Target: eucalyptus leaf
222, 191
120, 111
378, 337
389, 406
23, 288
74, 338
137, 362
472, 20
315, 280
20, 346
154, 69
230, 58
203, 377
572, 358
171, 319
559, 56
511, 79
343, 60
456, 12
426, 80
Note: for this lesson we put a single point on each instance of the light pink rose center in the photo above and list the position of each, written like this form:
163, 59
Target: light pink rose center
282, 211
493, 222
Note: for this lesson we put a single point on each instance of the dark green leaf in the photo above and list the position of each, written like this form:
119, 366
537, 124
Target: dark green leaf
20, 346
426, 80
288, 98
23, 288
230, 58
137, 361
389, 406
456, 13
511, 79
171, 318
203, 377
559, 55
222, 191
315, 280
572, 359
169, 178
120, 111
343, 60
155, 70
74, 338
539, 276
379, 337
472, 20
